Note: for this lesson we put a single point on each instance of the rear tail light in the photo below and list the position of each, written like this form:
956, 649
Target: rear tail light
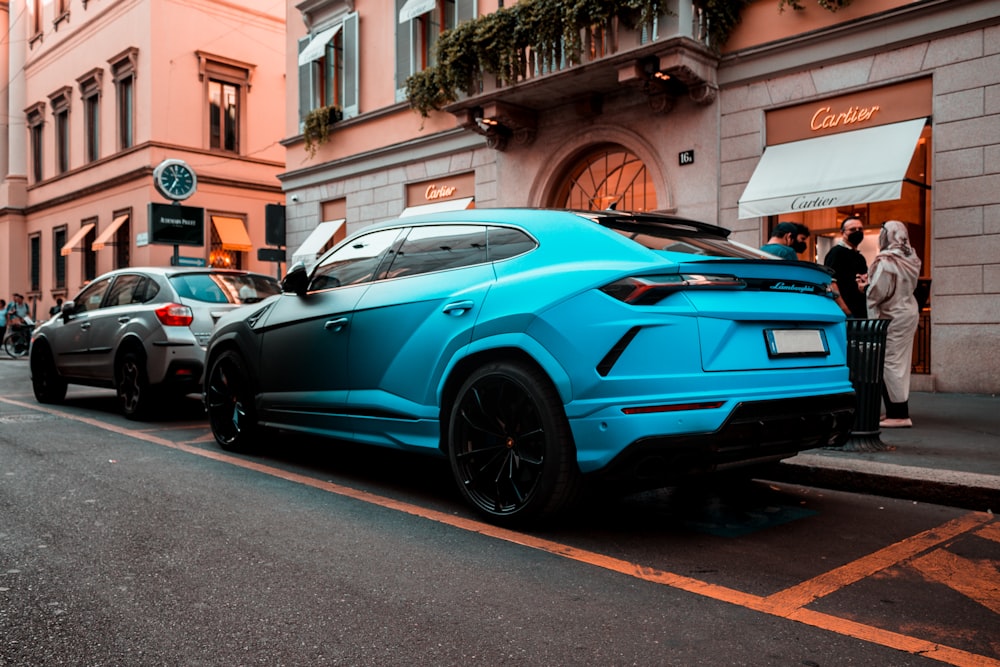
645, 290
175, 315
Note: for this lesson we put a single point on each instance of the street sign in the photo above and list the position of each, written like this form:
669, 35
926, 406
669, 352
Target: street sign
178, 260
271, 254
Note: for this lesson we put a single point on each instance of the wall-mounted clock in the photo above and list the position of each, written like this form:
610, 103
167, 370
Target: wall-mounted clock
175, 180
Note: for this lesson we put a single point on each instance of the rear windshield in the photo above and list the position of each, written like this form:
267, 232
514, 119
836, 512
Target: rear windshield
224, 287
689, 241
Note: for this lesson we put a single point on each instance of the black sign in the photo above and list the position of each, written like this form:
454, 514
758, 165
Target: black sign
274, 225
174, 224
271, 254
685, 157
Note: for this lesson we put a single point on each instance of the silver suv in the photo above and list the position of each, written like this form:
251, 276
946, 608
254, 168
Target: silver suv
141, 331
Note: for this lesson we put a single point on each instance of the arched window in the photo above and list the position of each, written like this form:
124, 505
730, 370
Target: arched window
608, 176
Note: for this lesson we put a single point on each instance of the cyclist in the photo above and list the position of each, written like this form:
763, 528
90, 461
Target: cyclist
18, 321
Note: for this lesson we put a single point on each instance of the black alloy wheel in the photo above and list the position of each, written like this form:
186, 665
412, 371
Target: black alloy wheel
134, 393
229, 401
510, 445
48, 385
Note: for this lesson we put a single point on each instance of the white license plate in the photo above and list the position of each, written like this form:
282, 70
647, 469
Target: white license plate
796, 342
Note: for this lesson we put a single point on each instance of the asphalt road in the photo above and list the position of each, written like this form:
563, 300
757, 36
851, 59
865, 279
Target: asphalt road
125, 543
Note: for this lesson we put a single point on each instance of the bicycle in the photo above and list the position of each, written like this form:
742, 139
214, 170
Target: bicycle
17, 340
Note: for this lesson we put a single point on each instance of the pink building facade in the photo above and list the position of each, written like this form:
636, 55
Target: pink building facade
97, 94
664, 119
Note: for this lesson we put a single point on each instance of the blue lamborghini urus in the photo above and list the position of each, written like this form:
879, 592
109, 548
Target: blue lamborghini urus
539, 350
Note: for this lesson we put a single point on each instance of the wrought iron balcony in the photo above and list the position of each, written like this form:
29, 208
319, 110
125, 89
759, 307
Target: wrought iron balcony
664, 63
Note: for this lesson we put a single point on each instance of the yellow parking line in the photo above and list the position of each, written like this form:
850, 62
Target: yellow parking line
785, 604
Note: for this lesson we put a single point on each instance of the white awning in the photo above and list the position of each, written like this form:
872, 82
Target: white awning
414, 8
316, 47
316, 240
75, 239
437, 207
856, 167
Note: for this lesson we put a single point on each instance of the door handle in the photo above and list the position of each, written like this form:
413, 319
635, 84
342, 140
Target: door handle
336, 324
85, 326
123, 319
457, 308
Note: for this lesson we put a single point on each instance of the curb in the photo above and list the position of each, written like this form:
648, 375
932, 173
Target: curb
966, 490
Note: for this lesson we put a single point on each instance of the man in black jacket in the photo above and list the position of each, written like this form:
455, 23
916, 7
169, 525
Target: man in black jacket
849, 266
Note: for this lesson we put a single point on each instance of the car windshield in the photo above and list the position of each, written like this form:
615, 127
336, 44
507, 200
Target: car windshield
224, 287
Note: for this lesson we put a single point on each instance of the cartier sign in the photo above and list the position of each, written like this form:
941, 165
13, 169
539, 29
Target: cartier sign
443, 188
854, 111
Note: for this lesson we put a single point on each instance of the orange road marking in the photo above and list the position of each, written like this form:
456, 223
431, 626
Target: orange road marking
829, 582
978, 580
784, 608
990, 532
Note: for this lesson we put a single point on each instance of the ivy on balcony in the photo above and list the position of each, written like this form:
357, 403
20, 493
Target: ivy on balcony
497, 43
317, 125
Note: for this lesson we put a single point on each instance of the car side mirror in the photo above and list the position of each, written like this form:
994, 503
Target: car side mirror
67, 310
296, 280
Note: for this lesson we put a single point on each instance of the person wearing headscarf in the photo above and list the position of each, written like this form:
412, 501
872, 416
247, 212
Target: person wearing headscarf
892, 277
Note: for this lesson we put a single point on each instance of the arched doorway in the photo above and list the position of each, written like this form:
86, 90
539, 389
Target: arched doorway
607, 176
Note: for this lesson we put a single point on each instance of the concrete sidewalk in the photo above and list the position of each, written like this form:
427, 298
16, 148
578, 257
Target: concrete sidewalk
951, 456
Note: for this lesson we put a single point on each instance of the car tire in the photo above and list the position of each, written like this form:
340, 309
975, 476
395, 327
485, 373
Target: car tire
510, 445
48, 385
229, 400
135, 395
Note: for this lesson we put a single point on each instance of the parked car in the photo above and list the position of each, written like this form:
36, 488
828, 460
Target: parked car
142, 331
538, 349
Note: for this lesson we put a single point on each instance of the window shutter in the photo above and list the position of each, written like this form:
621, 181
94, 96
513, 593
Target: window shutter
466, 10
305, 85
350, 42
403, 53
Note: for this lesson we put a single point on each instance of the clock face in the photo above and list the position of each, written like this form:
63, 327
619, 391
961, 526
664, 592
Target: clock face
175, 179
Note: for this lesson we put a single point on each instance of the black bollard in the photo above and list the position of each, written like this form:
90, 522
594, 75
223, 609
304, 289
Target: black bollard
865, 360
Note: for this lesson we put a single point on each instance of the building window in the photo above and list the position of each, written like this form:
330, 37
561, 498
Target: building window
58, 259
89, 256
36, 18
62, 13
417, 33
35, 116
35, 261
90, 91
223, 115
228, 84
328, 68
123, 69
60, 101
609, 177
123, 244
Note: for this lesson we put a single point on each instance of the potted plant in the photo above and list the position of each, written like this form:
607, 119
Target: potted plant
317, 125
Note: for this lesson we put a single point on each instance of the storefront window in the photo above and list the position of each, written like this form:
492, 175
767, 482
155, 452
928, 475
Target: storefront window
608, 177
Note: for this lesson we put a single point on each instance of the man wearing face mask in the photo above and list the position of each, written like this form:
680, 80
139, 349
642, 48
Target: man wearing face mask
850, 269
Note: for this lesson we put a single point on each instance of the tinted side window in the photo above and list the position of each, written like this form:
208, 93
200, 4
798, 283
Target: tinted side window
123, 290
505, 242
353, 263
439, 247
90, 298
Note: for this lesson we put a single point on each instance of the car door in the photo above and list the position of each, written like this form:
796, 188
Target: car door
69, 335
303, 369
408, 325
117, 312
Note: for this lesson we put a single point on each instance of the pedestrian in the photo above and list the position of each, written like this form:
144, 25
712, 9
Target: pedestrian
3, 319
892, 278
17, 311
780, 243
849, 267
56, 309
801, 237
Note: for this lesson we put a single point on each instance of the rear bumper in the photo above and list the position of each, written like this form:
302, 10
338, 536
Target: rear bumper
756, 432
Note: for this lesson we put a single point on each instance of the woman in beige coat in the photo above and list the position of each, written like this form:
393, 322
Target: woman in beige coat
892, 277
